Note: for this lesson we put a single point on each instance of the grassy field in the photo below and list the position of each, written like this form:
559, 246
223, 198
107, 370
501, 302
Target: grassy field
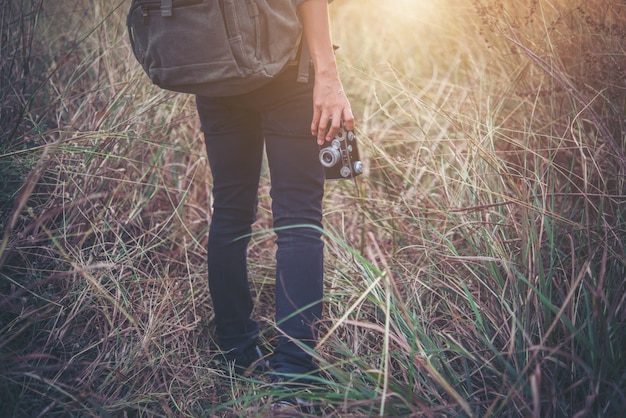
477, 268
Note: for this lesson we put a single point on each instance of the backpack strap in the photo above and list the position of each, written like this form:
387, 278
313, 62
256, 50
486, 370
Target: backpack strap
166, 8
304, 63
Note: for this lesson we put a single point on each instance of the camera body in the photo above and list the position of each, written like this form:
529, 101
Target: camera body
340, 157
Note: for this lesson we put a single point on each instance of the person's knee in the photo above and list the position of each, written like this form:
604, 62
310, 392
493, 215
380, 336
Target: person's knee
232, 224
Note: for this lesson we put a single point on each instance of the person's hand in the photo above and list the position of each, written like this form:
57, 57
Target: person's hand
330, 108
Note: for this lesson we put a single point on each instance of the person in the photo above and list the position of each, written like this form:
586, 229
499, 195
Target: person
290, 120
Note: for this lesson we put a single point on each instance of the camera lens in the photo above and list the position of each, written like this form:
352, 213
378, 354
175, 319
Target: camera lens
329, 156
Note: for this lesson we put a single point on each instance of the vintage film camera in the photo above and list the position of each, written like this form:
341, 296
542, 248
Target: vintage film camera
340, 157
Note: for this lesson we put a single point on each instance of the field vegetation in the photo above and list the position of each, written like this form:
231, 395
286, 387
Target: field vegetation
477, 268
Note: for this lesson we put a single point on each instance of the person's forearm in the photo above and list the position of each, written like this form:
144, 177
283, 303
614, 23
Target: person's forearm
317, 32
330, 104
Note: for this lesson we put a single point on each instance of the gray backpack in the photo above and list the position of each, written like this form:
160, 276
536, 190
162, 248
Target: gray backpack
215, 47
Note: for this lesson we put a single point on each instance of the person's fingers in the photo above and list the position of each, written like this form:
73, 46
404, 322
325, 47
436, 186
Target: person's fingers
335, 124
315, 122
348, 119
327, 127
322, 127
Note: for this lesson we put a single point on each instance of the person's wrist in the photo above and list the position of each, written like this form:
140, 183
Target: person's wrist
327, 72
325, 65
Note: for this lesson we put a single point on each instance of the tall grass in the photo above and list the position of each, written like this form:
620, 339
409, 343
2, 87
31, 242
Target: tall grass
476, 269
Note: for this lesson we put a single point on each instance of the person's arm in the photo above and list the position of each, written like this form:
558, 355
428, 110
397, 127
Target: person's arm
330, 103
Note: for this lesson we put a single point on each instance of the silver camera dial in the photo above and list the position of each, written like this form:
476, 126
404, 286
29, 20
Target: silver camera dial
358, 167
331, 155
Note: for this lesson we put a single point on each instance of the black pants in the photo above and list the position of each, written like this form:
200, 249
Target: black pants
277, 116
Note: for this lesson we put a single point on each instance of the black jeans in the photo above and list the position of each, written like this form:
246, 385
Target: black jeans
236, 129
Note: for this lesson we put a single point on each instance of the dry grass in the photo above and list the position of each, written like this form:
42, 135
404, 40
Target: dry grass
477, 269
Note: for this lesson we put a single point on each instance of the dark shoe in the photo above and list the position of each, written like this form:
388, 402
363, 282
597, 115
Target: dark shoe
295, 395
292, 406
247, 362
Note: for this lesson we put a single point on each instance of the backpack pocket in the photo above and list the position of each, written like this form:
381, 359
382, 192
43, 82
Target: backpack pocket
190, 46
